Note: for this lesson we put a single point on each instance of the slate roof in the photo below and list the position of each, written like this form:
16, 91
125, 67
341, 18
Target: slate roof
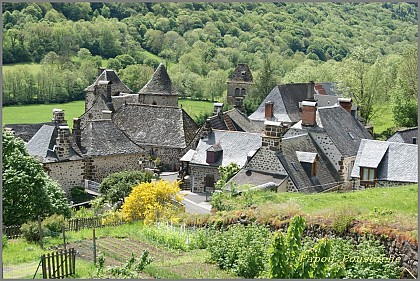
343, 129
239, 120
328, 88
155, 125
117, 84
404, 135
159, 84
242, 122
41, 146
326, 175
235, 145
242, 73
102, 138
26, 131
398, 162
255, 178
286, 100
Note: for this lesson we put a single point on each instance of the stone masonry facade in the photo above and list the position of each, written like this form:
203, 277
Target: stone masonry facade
199, 173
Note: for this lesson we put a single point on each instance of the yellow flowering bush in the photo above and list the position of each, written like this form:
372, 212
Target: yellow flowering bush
152, 201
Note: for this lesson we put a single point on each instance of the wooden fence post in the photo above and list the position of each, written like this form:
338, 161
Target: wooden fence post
63, 230
94, 247
40, 232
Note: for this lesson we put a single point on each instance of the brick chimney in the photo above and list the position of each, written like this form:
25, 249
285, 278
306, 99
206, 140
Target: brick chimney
62, 146
218, 108
273, 131
77, 131
345, 103
269, 109
309, 113
58, 116
311, 91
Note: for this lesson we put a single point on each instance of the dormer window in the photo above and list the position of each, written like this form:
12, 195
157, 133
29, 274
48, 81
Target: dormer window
309, 161
214, 153
367, 176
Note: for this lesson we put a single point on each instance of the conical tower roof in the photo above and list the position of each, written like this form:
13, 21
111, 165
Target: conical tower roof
159, 84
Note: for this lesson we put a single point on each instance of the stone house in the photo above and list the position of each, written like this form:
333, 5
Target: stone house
120, 130
239, 84
231, 120
290, 163
334, 130
283, 103
384, 163
216, 148
406, 135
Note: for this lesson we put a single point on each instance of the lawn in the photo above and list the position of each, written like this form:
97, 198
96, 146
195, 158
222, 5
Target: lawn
384, 119
38, 113
401, 200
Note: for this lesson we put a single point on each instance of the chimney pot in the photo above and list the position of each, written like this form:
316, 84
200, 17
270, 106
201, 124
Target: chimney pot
269, 109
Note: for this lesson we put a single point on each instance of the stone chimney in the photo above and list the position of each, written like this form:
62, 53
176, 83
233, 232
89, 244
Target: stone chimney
309, 113
100, 70
273, 131
218, 108
105, 88
311, 91
239, 101
62, 146
77, 132
58, 116
206, 130
106, 114
269, 109
345, 103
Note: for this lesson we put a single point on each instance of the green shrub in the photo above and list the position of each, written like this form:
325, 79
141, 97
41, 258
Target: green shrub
366, 260
117, 186
240, 249
53, 224
79, 195
30, 231
288, 258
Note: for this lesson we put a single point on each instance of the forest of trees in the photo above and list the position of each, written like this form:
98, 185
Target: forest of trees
369, 48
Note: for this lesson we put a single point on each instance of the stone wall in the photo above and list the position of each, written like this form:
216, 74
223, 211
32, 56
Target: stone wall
330, 150
102, 166
198, 173
346, 166
169, 157
159, 99
68, 174
381, 183
119, 101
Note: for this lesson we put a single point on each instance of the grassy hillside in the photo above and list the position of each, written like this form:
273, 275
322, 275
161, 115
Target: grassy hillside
38, 113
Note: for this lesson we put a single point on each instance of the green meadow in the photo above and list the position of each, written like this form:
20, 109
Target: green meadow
39, 113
